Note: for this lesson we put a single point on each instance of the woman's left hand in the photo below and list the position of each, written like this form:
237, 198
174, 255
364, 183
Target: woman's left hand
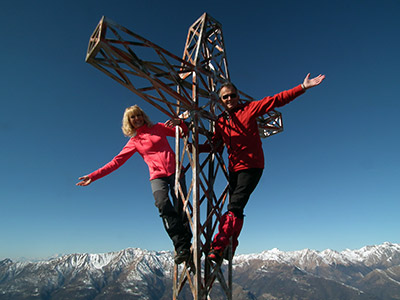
84, 181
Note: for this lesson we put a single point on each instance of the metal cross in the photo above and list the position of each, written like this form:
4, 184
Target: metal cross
185, 87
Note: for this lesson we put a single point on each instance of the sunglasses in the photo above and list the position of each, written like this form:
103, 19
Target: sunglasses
225, 97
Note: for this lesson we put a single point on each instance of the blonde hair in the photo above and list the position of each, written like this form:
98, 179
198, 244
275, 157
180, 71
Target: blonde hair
127, 127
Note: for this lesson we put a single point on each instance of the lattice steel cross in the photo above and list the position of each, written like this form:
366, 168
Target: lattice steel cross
187, 88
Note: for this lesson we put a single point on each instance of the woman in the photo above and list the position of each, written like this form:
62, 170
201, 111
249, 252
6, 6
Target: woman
150, 141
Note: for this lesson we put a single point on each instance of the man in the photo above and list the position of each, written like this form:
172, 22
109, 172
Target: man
237, 128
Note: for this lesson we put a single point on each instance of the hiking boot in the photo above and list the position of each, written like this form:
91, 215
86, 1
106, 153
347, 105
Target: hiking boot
229, 228
215, 255
181, 256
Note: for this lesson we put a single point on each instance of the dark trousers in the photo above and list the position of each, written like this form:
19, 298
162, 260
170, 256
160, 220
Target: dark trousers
174, 218
241, 185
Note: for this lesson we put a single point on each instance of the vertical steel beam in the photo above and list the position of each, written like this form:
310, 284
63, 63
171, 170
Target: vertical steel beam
206, 50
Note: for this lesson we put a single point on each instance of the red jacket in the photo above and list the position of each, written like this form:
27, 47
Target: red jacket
238, 129
152, 145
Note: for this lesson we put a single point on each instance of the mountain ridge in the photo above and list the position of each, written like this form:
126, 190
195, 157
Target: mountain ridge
365, 254
371, 272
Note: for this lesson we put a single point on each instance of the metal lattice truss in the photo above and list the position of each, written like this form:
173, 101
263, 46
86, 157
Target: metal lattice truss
187, 88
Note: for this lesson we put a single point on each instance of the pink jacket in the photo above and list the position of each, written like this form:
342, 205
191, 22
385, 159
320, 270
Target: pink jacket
152, 144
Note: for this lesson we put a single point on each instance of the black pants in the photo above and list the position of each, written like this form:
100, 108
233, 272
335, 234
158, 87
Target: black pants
174, 218
241, 185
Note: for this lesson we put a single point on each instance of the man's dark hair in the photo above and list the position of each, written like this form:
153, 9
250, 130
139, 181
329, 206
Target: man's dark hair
227, 84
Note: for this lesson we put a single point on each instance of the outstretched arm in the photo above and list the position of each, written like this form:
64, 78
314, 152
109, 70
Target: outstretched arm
309, 83
84, 181
113, 165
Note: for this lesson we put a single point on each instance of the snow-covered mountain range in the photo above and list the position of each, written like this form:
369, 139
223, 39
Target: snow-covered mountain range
372, 272
368, 255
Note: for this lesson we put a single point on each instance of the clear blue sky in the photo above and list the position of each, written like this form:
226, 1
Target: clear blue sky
331, 179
